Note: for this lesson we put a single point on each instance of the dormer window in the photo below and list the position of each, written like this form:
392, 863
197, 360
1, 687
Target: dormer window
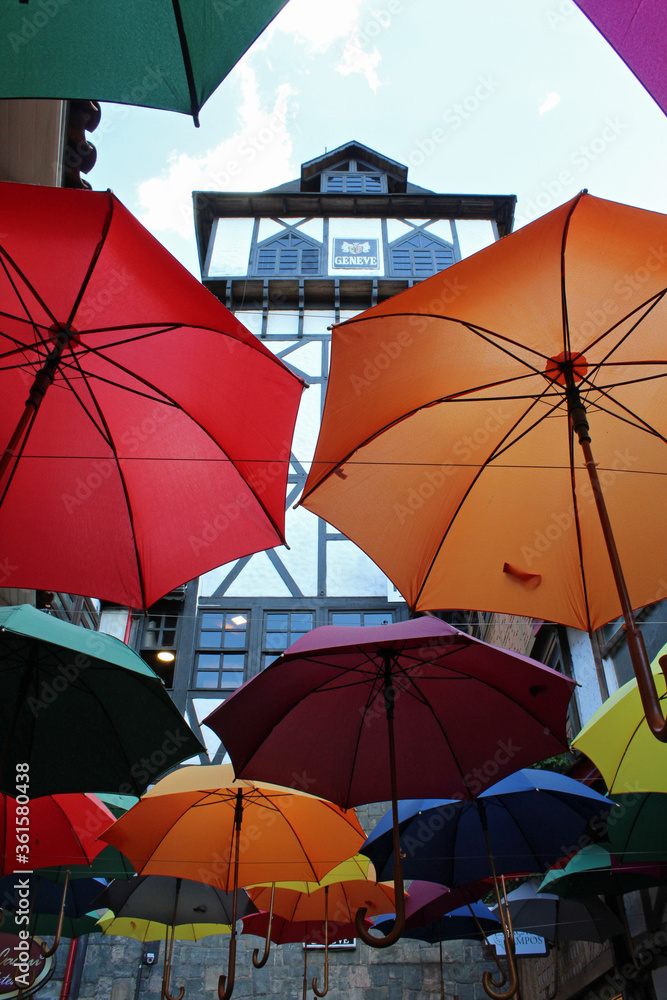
354, 183
419, 255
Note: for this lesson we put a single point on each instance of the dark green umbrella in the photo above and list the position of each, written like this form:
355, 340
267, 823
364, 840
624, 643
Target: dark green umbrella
46, 925
637, 831
169, 54
81, 711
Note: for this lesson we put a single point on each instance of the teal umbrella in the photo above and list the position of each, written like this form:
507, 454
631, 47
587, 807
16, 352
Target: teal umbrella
169, 54
80, 711
594, 871
636, 834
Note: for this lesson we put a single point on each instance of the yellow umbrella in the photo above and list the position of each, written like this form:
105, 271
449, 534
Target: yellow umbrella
153, 930
619, 741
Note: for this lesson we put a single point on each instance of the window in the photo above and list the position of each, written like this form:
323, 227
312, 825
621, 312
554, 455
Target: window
419, 255
354, 183
281, 629
222, 650
288, 253
361, 618
159, 644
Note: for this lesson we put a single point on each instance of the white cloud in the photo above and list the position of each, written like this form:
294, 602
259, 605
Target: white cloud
319, 24
357, 60
551, 100
254, 158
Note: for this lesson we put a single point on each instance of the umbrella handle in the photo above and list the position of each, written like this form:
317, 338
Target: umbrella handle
47, 952
256, 960
325, 989
491, 988
168, 955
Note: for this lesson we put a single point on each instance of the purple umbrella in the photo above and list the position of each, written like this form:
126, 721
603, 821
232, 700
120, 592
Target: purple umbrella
636, 30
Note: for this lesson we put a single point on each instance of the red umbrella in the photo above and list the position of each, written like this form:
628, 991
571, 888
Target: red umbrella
413, 709
146, 432
51, 830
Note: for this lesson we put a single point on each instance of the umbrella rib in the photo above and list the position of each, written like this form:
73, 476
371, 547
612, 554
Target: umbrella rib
577, 522
4, 256
567, 346
637, 421
93, 259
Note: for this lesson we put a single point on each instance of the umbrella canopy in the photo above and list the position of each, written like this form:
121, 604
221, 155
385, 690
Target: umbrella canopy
343, 899
160, 54
558, 919
427, 901
55, 829
46, 897
593, 871
323, 702
470, 922
290, 931
81, 710
637, 833
618, 739
46, 925
455, 465
636, 31
172, 901
522, 824
184, 826
151, 930
109, 863
155, 441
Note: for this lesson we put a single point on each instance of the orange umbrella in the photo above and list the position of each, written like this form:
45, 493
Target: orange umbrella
335, 903
199, 823
495, 437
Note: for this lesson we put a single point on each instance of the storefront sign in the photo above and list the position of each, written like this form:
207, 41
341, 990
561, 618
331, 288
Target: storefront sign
23, 967
355, 253
526, 944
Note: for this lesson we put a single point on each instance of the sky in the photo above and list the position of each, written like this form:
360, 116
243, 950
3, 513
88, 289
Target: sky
520, 97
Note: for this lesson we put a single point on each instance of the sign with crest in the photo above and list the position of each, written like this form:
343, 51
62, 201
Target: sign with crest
355, 253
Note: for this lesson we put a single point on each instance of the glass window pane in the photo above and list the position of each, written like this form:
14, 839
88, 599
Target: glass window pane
302, 621
297, 635
212, 620
206, 679
268, 659
277, 622
168, 638
345, 618
276, 640
234, 640
233, 661
208, 661
211, 639
381, 618
230, 679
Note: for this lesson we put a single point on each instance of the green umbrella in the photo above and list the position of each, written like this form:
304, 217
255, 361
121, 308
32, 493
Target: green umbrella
46, 925
81, 711
636, 833
594, 871
169, 54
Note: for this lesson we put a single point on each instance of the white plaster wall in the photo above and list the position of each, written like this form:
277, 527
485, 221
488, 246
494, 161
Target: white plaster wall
588, 695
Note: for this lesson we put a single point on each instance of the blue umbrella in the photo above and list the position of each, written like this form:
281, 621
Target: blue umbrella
520, 825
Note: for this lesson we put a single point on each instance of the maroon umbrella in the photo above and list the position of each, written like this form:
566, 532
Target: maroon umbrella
414, 709
636, 29
145, 433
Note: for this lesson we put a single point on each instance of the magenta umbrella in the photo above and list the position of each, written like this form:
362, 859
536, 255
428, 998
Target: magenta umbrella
417, 708
636, 29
